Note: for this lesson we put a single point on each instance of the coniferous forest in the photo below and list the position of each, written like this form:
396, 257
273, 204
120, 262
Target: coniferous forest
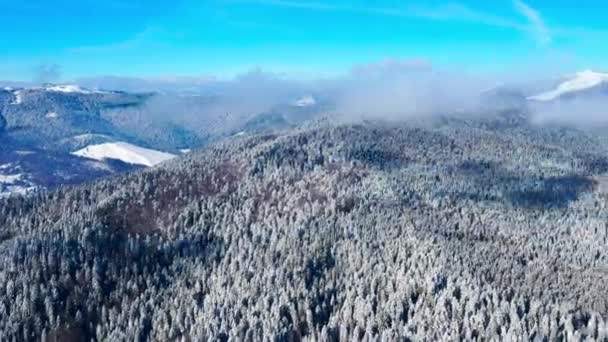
449, 231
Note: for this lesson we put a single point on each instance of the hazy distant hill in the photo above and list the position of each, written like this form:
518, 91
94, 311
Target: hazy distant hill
53, 124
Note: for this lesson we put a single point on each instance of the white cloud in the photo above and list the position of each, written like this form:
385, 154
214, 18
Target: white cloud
393, 89
460, 12
151, 36
537, 25
47, 73
585, 112
450, 11
534, 24
136, 84
403, 89
392, 67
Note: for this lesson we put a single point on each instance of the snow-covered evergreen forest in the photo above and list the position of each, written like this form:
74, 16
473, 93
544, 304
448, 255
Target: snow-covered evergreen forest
453, 230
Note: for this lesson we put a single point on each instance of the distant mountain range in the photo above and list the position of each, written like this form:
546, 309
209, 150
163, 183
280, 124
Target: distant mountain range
67, 134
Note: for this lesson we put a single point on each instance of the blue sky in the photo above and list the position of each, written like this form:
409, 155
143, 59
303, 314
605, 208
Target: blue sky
301, 38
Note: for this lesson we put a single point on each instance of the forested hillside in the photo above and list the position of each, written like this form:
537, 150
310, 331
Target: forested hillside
451, 231
2, 123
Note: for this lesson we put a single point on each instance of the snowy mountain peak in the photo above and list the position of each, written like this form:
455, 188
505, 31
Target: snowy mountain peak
580, 81
125, 152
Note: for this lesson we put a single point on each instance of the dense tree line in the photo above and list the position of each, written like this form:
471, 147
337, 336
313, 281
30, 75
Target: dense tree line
327, 233
2, 123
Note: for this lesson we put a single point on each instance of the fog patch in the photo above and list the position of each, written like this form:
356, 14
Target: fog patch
583, 112
134, 84
47, 73
215, 106
397, 90
393, 90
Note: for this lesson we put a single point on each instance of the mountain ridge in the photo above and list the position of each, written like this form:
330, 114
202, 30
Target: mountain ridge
270, 236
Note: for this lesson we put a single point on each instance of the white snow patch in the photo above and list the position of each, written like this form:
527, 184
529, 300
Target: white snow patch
17, 190
24, 152
581, 81
239, 134
185, 150
67, 88
15, 183
72, 88
52, 115
125, 152
306, 101
10, 179
18, 97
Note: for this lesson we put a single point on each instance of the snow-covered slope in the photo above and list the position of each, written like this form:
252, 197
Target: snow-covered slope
125, 152
71, 88
306, 101
11, 181
581, 81
18, 97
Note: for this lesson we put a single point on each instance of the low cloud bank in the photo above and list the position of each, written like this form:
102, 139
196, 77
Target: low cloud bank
135, 84
392, 89
404, 89
389, 90
47, 73
584, 112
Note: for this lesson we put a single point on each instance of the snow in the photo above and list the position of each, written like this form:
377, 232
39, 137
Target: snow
125, 152
52, 115
67, 88
72, 88
581, 81
18, 97
10, 179
16, 190
185, 150
306, 101
14, 183
89, 136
